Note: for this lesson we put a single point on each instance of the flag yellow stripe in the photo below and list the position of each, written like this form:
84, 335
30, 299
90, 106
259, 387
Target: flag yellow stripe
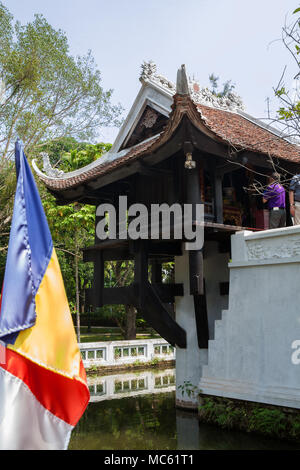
51, 342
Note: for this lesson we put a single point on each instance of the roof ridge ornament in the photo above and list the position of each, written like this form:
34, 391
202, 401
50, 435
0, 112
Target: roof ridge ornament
230, 102
200, 95
148, 70
182, 85
48, 168
149, 74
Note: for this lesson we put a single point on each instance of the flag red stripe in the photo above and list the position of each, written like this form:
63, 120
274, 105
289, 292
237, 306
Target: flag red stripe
65, 398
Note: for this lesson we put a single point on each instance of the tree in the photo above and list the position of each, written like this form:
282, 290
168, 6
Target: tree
83, 155
287, 118
72, 226
228, 86
121, 274
49, 99
288, 114
7, 190
48, 93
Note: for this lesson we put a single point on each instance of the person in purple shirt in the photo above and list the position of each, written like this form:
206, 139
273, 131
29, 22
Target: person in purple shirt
274, 196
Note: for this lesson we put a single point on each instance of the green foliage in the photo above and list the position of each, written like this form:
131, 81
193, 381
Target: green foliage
267, 421
136, 363
249, 417
56, 148
168, 272
188, 388
7, 190
72, 226
295, 428
155, 361
48, 93
79, 157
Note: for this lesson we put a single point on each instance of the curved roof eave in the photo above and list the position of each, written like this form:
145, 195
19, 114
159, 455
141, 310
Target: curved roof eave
101, 163
229, 128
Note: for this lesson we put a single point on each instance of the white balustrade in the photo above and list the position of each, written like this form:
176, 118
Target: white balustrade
114, 353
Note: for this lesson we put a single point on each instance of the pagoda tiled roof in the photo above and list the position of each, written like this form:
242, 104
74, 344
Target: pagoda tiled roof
232, 128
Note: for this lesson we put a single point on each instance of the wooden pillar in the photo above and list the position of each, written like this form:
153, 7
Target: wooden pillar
196, 275
202, 183
156, 272
193, 196
218, 198
196, 272
96, 296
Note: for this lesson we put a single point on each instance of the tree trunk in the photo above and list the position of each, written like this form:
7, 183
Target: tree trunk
77, 289
130, 329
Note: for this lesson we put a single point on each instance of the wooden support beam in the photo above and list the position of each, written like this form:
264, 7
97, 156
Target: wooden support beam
98, 281
111, 254
221, 170
158, 316
158, 251
98, 195
168, 292
148, 170
140, 270
114, 295
125, 295
167, 248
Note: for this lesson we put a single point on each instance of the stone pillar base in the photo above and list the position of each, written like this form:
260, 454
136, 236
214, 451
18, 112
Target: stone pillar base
186, 405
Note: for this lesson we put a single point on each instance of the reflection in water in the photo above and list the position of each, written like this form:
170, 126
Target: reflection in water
192, 435
131, 384
132, 411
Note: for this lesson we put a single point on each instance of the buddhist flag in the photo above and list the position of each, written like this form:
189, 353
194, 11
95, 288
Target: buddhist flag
43, 389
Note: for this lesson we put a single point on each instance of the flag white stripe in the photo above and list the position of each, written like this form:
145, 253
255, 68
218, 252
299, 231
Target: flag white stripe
25, 424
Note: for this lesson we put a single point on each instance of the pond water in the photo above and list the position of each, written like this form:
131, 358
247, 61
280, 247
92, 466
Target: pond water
136, 411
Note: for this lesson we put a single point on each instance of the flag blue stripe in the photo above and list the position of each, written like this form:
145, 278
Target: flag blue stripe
29, 251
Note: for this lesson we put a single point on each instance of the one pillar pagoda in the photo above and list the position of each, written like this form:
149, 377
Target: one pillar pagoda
179, 145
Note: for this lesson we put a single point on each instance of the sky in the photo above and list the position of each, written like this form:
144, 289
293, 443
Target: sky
236, 40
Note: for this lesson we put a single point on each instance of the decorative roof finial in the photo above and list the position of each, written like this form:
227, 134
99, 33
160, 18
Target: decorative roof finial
48, 168
182, 85
149, 70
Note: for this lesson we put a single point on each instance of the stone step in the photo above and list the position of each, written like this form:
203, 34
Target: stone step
205, 370
215, 350
220, 325
216, 346
218, 329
